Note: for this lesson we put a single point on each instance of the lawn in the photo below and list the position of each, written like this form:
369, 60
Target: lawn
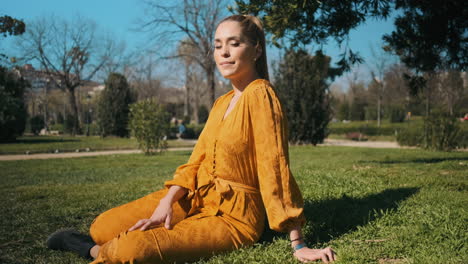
49, 144
370, 205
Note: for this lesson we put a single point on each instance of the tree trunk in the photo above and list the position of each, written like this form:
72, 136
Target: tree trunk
46, 107
187, 100
211, 83
74, 109
378, 110
187, 92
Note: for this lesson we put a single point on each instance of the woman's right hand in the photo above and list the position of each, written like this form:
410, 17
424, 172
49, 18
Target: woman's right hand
162, 214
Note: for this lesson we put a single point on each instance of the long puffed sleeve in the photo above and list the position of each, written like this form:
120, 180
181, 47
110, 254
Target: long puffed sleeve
186, 174
280, 193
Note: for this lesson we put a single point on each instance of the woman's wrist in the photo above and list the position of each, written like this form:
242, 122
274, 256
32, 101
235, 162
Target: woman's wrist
174, 194
299, 246
297, 242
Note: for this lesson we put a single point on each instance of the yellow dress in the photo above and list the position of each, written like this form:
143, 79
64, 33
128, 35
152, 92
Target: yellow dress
237, 175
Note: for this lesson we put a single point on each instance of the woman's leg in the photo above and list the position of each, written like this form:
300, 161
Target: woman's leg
189, 240
111, 223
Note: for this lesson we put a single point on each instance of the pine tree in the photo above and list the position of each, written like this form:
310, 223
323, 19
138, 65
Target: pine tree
12, 109
301, 80
113, 110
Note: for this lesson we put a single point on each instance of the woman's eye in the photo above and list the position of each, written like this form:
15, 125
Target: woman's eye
217, 47
235, 44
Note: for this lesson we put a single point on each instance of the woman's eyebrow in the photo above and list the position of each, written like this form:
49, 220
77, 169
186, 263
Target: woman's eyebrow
230, 38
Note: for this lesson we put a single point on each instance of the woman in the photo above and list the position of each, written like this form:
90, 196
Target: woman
238, 174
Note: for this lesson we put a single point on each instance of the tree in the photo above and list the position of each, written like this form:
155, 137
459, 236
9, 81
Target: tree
305, 22
379, 64
10, 26
68, 51
452, 92
301, 80
113, 109
12, 108
194, 20
430, 36
359, 101
149, 123
185, 47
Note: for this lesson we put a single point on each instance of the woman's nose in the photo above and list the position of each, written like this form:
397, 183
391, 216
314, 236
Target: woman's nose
225, 51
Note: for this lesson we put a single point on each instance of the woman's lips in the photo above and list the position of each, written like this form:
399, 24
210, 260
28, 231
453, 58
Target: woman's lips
224, 63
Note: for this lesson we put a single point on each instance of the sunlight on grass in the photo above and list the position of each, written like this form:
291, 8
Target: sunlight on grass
371, 205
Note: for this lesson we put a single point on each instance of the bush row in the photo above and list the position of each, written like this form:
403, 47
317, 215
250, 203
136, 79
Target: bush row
192, 131
369, 130
438, 133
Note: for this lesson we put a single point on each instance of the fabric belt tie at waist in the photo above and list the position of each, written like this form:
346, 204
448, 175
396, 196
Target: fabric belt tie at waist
223, 187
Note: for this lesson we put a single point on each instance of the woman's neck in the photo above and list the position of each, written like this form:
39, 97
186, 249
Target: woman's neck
239, 84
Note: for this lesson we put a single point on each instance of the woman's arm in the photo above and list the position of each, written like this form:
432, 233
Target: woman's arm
303, 253
163, 212
174, 194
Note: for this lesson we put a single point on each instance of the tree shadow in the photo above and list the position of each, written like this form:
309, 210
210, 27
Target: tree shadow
335, 217
421, 160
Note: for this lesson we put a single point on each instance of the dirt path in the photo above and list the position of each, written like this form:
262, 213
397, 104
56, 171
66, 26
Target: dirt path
76, 154
364, 144
328, 142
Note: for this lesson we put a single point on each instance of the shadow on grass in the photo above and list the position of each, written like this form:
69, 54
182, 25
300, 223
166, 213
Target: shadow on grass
422, 160
335, 217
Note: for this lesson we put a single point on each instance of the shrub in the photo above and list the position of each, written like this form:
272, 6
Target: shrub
149, 125
202, 114
68, 124
37, 123
57, 127
189, 133
441, 131
410, 136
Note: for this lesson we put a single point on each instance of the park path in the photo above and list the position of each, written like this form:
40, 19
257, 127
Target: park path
76, 154
362, 144
328, 142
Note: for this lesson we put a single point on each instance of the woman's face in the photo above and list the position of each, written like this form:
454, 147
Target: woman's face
233, 53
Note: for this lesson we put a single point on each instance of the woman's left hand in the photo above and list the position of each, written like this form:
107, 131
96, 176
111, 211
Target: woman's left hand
306, 254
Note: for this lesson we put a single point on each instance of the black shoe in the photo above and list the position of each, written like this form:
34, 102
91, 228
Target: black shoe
71, 240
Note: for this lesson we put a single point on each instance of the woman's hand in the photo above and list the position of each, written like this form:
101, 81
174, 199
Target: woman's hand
162, 214
306, 254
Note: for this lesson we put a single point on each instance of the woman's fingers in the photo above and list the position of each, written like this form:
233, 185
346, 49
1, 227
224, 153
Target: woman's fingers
330, 254
137, 225
146, 225
168, 221
324, 258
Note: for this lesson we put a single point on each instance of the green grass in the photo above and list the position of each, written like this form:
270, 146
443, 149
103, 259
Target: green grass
48, 144
403, 205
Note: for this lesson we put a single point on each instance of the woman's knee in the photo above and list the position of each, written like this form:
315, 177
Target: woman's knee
132, 247
103, 228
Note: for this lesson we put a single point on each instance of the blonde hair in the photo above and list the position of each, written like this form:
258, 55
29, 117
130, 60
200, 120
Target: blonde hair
252, 28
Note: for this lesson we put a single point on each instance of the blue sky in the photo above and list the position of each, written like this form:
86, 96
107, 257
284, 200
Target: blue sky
119, 17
